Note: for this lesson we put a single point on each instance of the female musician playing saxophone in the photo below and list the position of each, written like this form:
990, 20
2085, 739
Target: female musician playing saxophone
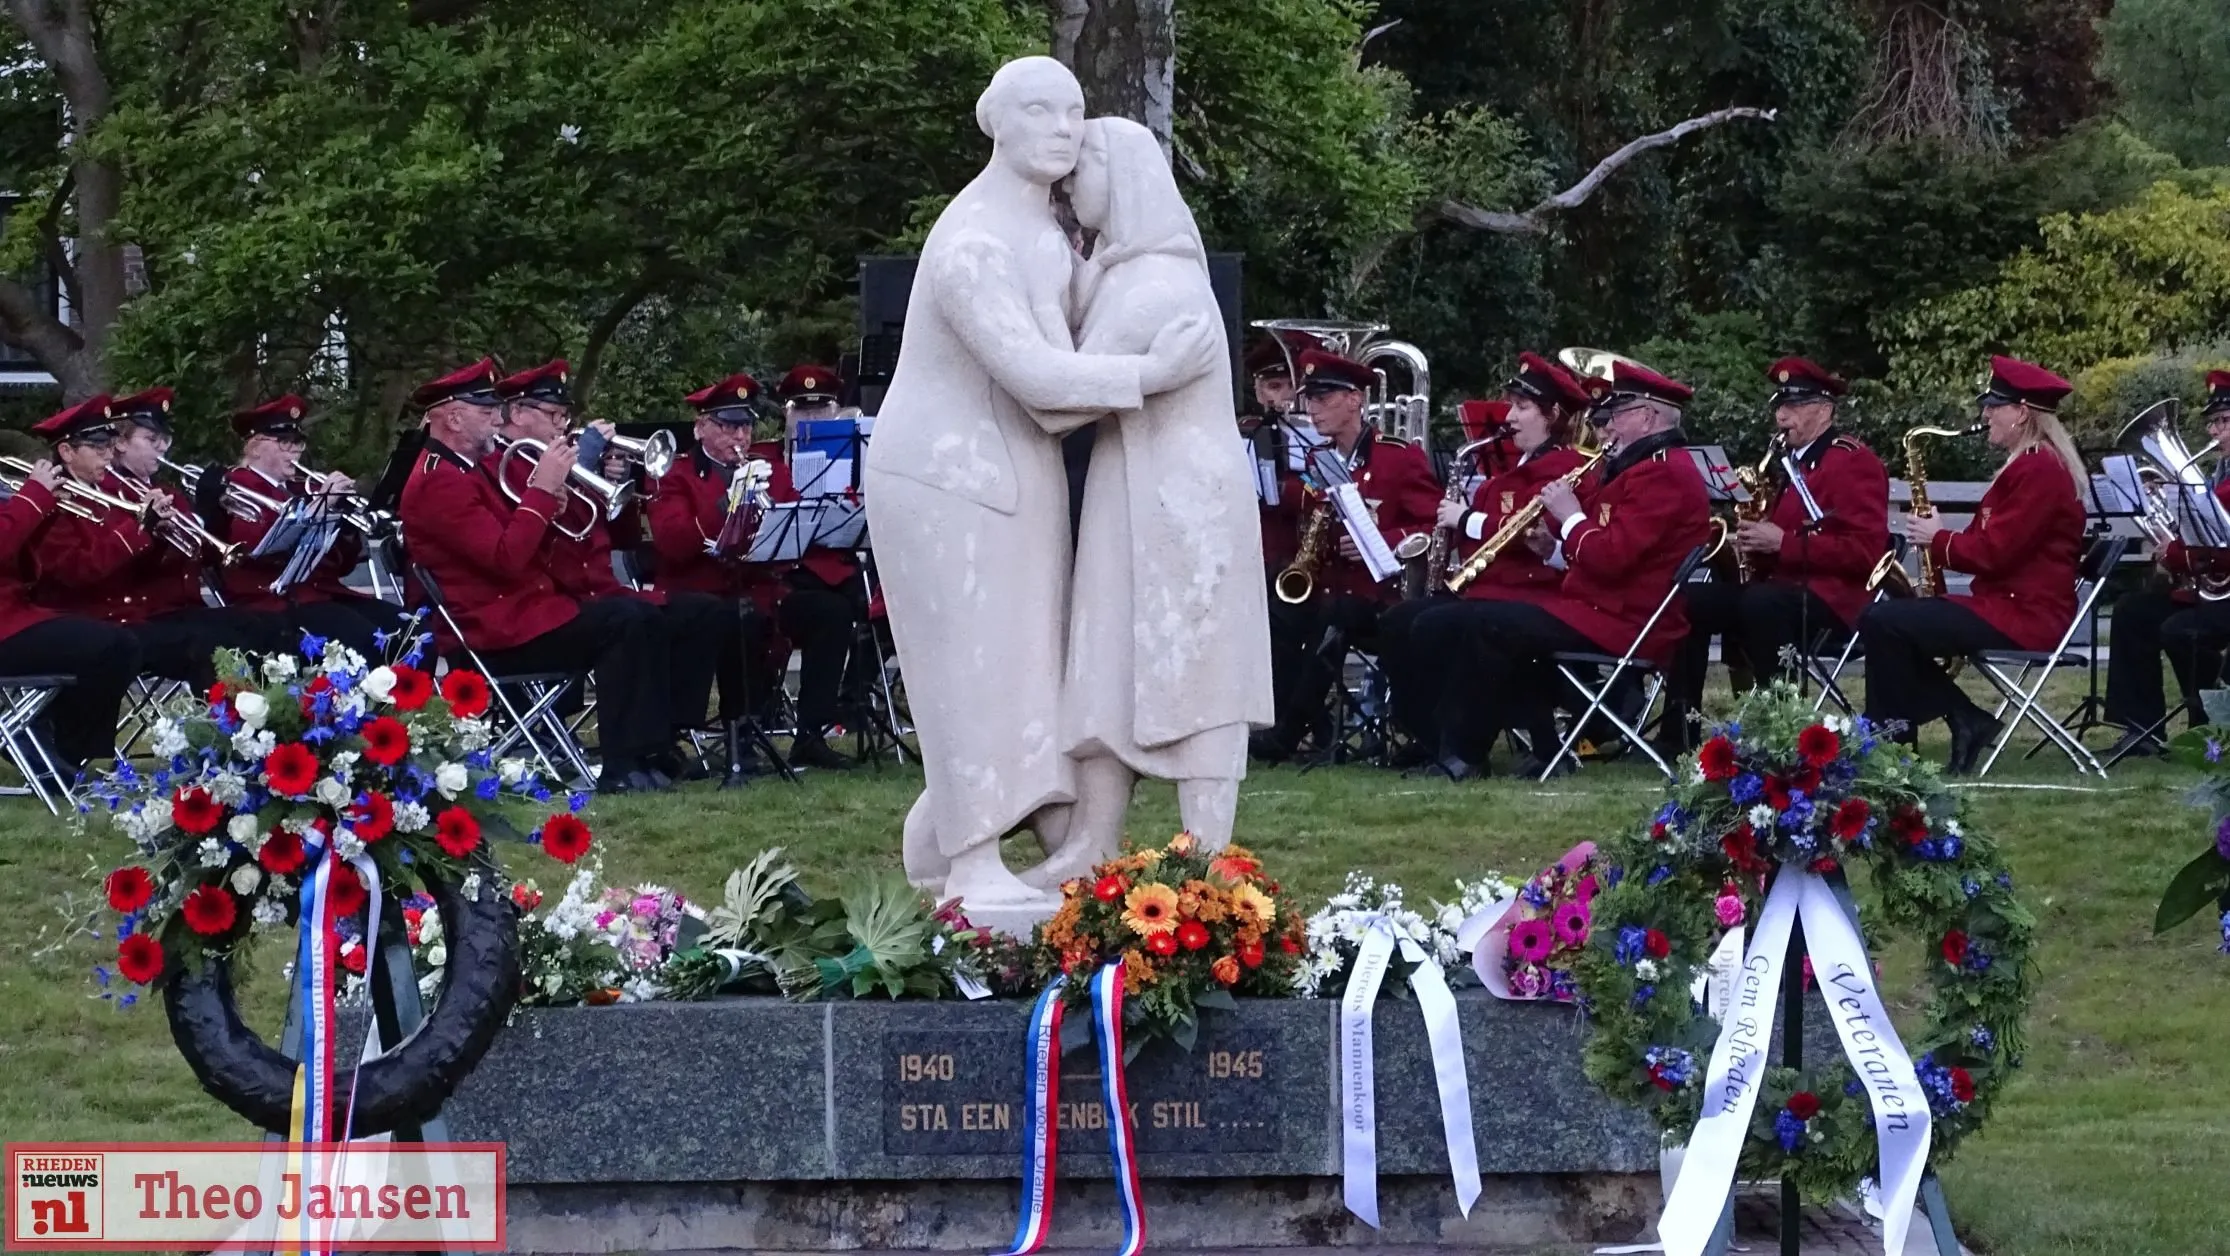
1542, 402
2023, 549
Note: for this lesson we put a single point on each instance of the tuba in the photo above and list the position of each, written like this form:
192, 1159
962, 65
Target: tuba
1583, 361
2170, 475
1407, 415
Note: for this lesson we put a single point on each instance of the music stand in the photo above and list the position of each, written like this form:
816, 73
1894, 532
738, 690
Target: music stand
2116, 492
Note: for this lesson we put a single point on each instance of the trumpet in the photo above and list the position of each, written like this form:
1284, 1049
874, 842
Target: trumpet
606, 500
1514, 527
72, 496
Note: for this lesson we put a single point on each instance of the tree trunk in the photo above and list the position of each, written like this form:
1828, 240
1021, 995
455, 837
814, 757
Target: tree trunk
1124, 52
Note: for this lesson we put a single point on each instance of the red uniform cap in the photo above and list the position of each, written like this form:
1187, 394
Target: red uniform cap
1801, 379
473, 385
728, 401
1546, 382
86, 423
1632, 380
2014, 382
546, 382
1266, 358
1481, 418
809, 381
280, 416
1324, 371
2218, 392
148, 409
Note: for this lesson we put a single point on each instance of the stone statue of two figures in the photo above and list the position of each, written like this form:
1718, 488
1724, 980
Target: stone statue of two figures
1043, 683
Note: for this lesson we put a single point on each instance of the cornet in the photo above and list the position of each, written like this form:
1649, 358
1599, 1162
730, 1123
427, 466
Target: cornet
353, 509
73, 496
179, 527
605, 499
241, 502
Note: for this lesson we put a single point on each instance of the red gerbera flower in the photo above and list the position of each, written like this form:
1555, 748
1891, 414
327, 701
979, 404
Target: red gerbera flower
1824, 865
1777, 792
290, 769
140, 958
526, 897
1804, 1105
1908, 826
1110, 888
1289, 944
1741, 848
565, 837
373, 818
386, 741
353, 960
1962, 1085
1805, 777
194, 811
1716, 758
1192, 935
1819, 745
457, 831
1656, 944
281, 853
1955, 948
210, 910
345, 892
413, 688
1850, 819
1162, 944
129, 888
1250, 954
466, 692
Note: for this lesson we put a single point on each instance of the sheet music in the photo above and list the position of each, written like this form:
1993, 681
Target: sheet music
1300, 438
1718, 474
821, 464
784, 531
843, 522
1363, 530
1265, 472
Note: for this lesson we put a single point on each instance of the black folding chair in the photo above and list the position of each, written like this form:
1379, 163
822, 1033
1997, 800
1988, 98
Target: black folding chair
22, 700
2011, 671
1610, 668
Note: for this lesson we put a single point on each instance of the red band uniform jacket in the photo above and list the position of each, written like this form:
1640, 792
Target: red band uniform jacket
686, 512
1517, 574
111, 568
489, 557
1642, 511
21, 518
247, 583
2176, 558
1394, 477
1834, 558
2023, 549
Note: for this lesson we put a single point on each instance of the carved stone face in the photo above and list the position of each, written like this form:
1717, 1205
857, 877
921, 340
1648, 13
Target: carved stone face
1088, 190
1038, 123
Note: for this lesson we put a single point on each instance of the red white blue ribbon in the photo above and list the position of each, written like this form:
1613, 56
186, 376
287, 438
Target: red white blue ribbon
1040, 1120
311, 1121
1122, 1140
1040, 1112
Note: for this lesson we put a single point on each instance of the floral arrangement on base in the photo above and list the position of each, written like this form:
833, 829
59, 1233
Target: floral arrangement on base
1780, 786
1549, 930
2205, 881
1334, 935
1193, 927
281, 765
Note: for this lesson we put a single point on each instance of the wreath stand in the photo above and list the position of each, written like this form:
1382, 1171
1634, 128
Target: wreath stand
397, 1012
1792, 1056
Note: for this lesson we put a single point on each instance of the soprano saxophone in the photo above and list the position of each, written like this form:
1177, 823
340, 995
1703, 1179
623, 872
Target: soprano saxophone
1440, 552
1514, 527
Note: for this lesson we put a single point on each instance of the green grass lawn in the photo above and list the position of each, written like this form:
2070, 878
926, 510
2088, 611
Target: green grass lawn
2113, 1140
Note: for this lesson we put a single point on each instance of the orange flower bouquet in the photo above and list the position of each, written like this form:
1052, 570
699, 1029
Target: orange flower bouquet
1194, 928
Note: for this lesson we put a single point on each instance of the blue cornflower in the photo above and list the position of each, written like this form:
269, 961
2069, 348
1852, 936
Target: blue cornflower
1746, 789
1643, 994
1659, 875
1615, 875
1982, 1038
2005, 880
1978, 959
2226, 933
1630, 943
575, 801
1853, 1088
126, 1001
1535, 893
1788, 1129
1951, 845
313, 646
100, 976
1970, 887
487, 788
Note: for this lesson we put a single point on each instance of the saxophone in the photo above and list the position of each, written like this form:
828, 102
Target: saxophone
1297, 582
1757, 483
1514, 527
1930, 583
1441, 549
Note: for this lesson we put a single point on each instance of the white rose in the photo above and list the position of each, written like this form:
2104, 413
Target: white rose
242, 829
279, 668
334, 794
252, 708
245, 879
436, 956
381, 684
451, 779
169, 739
511, 771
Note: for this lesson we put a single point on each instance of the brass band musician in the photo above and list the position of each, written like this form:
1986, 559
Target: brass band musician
1806, 575
2024, 549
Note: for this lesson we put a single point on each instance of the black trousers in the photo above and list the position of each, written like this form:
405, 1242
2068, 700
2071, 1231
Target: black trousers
2194, 638
818, 618
351, 621
622, 640
1903, 639
1755, 624
1412, 671
179, 645
1305, 659
706, 634
2135, 696
1497, 673
105, 659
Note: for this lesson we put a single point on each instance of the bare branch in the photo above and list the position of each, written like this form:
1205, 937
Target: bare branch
26, 320
1374, 32
1532, 221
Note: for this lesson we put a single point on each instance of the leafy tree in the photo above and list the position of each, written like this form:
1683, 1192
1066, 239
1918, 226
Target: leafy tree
2165, 59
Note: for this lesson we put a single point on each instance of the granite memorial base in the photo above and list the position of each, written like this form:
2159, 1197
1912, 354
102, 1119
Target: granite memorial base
753, 1124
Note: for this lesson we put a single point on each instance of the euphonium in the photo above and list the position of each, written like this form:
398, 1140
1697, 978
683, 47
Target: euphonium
1297, 582
1514, 527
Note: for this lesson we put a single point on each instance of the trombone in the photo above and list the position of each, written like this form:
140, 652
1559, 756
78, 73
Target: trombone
605, 499
72, 496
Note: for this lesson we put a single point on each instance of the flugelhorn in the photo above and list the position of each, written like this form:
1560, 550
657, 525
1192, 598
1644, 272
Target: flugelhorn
605, 499
656, 452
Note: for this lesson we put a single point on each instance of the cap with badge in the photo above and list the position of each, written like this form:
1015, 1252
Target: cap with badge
2218, 394
279, 418
547, 382
1631, 381
86, 423
1277, 355
809, 383
728, 401
1546, 383
1799, 380
1324, 372
474, 385
149, 409
2017, 383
